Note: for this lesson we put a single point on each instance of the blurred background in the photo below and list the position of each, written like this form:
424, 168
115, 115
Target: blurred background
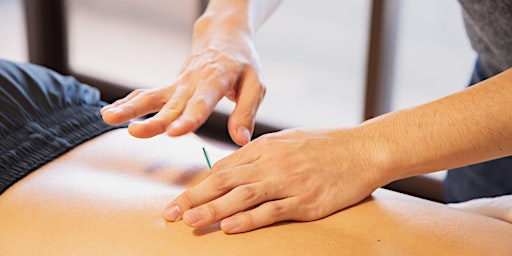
314, 53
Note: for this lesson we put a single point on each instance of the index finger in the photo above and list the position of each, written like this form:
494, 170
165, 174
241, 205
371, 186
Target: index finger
169, 112
214, 186
136, 104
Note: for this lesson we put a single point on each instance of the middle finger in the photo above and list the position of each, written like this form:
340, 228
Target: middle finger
214, 186
238, 199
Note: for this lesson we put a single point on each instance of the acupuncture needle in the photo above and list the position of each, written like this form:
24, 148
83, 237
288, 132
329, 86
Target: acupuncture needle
207, 158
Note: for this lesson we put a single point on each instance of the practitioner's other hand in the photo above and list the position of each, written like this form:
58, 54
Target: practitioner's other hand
495, 207
222, 63
297, 174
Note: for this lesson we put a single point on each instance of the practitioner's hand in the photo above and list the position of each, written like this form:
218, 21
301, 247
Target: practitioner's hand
222, 63
298, 174
496, 207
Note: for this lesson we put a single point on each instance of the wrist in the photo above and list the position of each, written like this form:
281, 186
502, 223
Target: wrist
220, 33
226, 17
368, 154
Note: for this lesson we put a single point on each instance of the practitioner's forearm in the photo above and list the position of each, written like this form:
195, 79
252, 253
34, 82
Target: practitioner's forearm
464, 128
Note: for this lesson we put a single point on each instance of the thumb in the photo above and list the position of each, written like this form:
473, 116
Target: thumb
249, 96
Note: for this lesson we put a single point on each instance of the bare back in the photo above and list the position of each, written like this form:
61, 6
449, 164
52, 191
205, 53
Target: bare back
106, 197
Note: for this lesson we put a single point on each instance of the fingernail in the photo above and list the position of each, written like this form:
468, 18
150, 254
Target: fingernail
243, 132
228, 225
173, 213
192, 217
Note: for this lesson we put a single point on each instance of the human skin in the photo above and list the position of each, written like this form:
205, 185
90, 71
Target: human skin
105, 197
307, 174
496, 207
222, 63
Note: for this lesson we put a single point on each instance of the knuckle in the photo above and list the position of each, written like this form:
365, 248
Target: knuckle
267, 141
219, 165
120, 101
212, 211
250, 220
262, 141
185, 200
223, 58
308, 212
207, 71
174, 106
152, 97
307, 215
137, 92
202, 23
186, 74
221, 180
248, 193
228, 64
201, 104
276, 211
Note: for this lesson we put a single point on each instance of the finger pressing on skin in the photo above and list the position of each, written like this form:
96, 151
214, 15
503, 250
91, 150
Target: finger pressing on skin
168, 113
250, 95
197, 109
137, 104
239, 199
213, 187
265, 214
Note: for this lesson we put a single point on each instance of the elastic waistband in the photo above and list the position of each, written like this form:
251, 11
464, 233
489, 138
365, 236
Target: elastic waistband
42, 140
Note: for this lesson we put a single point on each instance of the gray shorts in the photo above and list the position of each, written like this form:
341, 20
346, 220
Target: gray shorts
42, 115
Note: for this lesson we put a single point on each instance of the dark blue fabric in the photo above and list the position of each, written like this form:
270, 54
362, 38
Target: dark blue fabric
488, 179
42, 115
